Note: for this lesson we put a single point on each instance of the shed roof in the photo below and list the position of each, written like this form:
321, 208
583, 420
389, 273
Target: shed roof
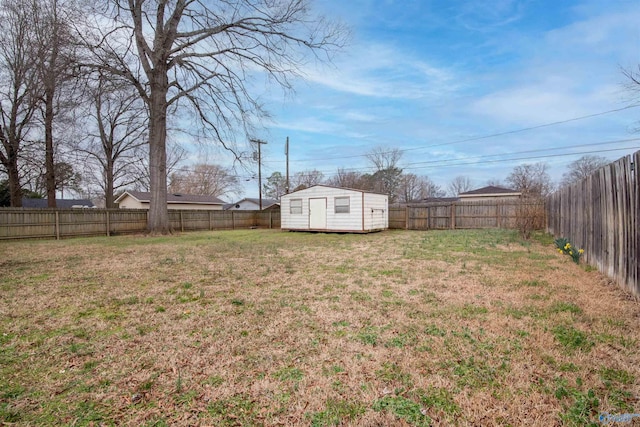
338, 188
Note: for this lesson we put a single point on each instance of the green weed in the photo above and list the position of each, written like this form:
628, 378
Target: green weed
404, 409
289, 374
336, 412
572, 338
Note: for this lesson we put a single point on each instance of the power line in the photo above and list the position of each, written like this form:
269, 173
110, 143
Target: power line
478, 138
463, 163
530, 151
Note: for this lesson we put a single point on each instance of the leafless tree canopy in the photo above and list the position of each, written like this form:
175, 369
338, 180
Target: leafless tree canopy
384, 158
582, 168
116, 140
205, 55
532, 179
459, 184
205, 179
416, 188
20, 90
349, 179
306, 179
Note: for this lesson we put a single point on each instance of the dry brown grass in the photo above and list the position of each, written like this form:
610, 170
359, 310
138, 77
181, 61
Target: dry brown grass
267, 328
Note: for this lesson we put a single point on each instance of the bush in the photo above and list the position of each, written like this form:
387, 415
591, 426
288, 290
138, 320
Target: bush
530, 216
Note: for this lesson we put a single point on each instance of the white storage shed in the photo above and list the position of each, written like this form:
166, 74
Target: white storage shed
333, 209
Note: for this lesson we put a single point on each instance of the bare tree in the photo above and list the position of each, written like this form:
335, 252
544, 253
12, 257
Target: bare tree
582, 168
203, 55
19, 90
384, 158
459, 184
175, 156
117, 141
205, 179
349, 179
306, 179
414, 188
495, 182
56, 64
387, 175
532, 179
66, 178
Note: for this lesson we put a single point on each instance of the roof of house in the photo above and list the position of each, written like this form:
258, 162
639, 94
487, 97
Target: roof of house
436, 200
492, 190
60, 203
144, 196
266, 203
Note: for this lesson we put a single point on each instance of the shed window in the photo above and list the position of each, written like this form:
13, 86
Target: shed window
296, 206
342, 205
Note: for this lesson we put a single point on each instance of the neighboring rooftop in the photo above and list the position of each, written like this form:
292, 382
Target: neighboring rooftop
60, 203
490, 189
145, 196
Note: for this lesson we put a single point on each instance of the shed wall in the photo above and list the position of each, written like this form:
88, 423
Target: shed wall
367, 207
376, 212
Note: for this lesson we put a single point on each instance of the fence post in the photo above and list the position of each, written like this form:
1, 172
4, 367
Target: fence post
233, 221
209, 220
181, 223
108, 223
406, 217
453, 216
270, 221
57, 225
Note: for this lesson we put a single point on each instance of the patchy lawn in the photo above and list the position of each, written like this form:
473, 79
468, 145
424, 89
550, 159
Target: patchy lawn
261, 327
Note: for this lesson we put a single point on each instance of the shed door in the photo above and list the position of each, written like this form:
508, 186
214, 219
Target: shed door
318, 214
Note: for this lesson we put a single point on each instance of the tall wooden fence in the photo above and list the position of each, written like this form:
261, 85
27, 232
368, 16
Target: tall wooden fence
20, 223
456, 215
601, 215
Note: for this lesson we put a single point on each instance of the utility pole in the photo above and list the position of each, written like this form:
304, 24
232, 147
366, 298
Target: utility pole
286, 152
259, 142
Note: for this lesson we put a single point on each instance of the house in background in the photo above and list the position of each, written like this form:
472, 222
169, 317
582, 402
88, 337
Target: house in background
333, 209
251, 204
489, 193
141, 200
60, 203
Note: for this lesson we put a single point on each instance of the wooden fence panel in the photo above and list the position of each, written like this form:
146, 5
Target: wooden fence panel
454, 215
21, 223
600, 214
397, 218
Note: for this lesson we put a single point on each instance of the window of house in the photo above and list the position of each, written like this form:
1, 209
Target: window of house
342, 205
295, 207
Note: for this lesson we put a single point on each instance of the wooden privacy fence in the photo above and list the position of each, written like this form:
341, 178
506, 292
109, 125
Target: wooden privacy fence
459, 214
20, 223
600, 214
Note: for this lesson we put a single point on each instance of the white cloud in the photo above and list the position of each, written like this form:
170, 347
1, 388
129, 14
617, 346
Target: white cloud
383, 71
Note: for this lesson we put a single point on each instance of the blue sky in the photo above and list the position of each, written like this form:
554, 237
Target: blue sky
424, 75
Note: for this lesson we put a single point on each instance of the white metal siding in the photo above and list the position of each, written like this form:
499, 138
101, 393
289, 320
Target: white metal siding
376, 212
352, 221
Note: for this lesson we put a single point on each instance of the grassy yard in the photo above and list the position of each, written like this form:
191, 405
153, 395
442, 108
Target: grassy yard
260, 327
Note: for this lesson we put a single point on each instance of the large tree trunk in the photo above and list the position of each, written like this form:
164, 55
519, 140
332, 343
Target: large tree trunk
15, 190
109, 200
158, 220
48, 139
